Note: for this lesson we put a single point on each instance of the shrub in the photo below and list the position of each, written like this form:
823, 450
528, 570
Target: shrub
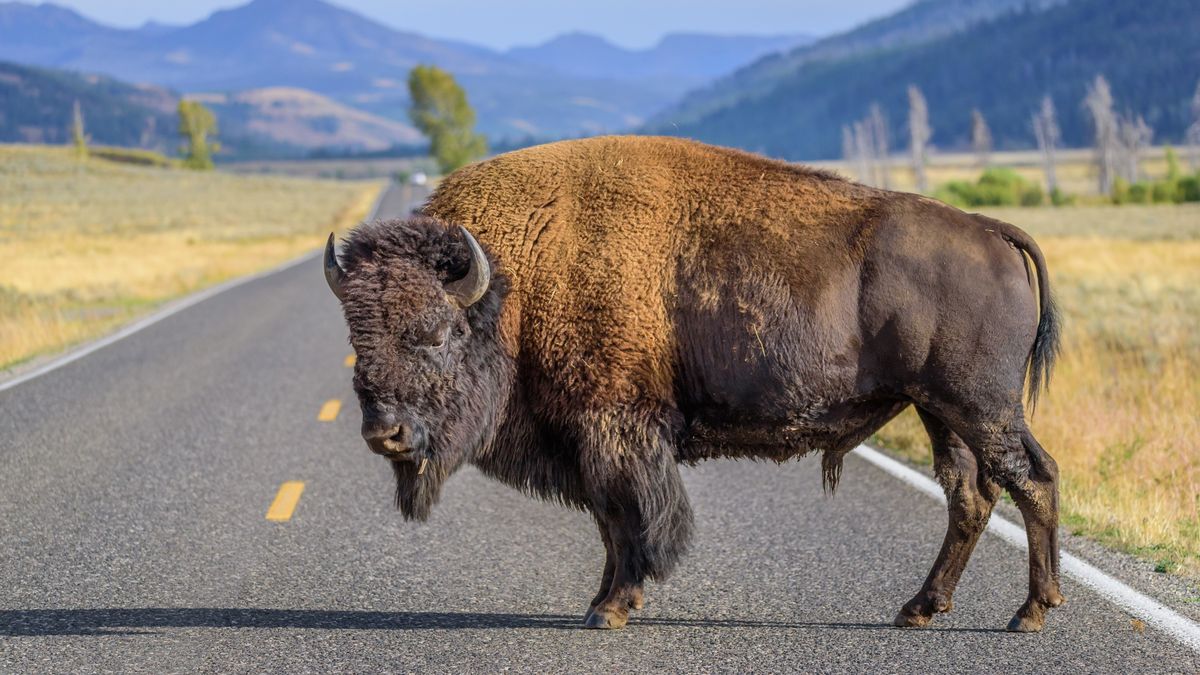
1174, 189
132, 156
996, 187
1188, 189
1162, 192
1060, 198
1140, 193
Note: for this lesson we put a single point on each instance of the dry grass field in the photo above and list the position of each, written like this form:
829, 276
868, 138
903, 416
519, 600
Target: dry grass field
1122, 414
89, 245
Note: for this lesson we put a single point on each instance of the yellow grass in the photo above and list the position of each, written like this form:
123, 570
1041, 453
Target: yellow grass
89, 245
1123, 414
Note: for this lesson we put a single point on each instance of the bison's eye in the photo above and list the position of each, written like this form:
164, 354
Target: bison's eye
436, 336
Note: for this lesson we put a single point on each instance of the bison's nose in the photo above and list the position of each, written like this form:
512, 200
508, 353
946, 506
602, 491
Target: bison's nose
391, 435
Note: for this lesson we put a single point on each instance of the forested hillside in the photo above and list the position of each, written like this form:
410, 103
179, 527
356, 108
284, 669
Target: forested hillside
920, 22
1148, 50
38, 103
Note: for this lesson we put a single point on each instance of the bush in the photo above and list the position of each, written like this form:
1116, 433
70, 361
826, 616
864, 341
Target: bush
1173, 190
132, 156
1141, 193
1060, 198
1032, 196
996, 187
1187, 189
1163, 192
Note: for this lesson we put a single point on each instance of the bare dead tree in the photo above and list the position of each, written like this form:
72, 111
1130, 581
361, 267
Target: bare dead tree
1045, 128
1133, 136
864, 146
919, 133
1099, 104
849, 151
78, 135
1193, 132
981, 139
878, 125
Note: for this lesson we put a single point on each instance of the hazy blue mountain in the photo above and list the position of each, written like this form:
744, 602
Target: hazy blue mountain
36, 106
681, 59
1147, 49
314, 45
48, 34
919, 22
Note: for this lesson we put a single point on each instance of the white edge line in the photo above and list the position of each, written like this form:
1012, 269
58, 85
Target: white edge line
171, 308
1136, 603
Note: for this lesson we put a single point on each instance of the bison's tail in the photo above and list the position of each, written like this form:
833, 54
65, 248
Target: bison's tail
1045, 347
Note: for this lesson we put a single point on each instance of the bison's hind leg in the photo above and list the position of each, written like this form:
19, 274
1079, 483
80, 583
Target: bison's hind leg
1010, 457
1034, 487
970, 497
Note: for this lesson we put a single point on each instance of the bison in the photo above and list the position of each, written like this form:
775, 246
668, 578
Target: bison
577, 319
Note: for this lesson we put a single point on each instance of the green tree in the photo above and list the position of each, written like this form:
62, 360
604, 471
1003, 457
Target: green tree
440, 111
196, 124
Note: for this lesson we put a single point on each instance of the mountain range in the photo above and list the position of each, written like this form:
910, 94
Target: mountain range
545, 91
1002, 65
36, 106
920, 22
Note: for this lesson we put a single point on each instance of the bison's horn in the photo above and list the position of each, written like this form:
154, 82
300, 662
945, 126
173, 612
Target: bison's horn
469, 289
334, 274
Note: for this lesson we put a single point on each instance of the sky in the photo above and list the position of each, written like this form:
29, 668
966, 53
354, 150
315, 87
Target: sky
505, 23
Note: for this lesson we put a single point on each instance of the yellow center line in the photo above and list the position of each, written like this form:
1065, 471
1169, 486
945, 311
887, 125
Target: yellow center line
329, 411
285, 501
349, 362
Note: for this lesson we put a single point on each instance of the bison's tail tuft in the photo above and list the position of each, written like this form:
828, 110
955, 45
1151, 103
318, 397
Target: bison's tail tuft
1046, 341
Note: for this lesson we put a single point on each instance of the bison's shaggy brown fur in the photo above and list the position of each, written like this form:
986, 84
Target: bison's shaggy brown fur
656, 301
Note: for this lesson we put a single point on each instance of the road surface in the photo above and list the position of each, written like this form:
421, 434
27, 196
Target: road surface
136, 482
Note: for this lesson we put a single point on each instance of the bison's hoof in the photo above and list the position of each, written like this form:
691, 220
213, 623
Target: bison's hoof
919, 611
599, 618
1025, 624
906, 620
1031, 618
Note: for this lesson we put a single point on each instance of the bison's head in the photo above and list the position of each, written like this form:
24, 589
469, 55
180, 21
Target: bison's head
423, 303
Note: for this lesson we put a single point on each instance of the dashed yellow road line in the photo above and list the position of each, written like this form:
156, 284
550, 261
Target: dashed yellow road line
285, 501
349, 362
329, 411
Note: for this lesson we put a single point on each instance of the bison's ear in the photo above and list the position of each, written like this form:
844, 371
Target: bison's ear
469, 289
334, 275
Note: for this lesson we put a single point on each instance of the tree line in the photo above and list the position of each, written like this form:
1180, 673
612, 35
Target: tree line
1119, 141
439, 110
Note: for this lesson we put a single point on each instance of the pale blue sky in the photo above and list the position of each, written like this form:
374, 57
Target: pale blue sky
503, 23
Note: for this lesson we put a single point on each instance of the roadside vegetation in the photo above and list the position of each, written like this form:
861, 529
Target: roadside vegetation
1121, 414
89, 244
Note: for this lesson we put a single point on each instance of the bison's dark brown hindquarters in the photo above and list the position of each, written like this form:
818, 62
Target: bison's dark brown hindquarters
970, 498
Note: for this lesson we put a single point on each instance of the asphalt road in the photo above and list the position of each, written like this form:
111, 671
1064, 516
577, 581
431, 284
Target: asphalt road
135, 482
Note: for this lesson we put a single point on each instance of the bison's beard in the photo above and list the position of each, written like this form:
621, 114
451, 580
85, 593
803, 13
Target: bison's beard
416, 495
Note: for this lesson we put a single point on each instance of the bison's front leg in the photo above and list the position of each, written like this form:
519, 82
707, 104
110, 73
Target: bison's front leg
624, 592
610, 565
970, 498
635, 489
